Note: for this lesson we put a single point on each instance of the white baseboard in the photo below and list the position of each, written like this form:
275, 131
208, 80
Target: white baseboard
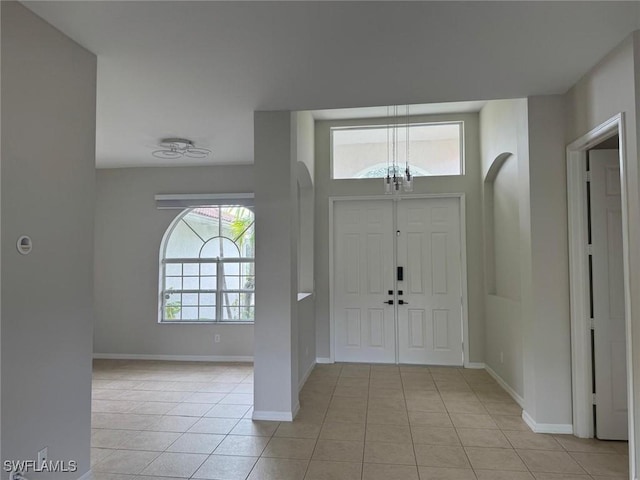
86, 476
179, 358
475, 365
323, 360
276, 416
559, 428
305, 377
519, 400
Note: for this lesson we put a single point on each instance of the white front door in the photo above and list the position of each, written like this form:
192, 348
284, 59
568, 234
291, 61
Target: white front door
424, 322
608, 296
430, 306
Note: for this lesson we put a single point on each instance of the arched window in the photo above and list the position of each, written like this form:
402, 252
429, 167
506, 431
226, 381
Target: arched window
207, 266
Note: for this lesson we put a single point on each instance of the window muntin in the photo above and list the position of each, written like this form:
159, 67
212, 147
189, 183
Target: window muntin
362, 151
208, 267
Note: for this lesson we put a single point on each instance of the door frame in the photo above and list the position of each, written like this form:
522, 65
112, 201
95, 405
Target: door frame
463, 261
581, 355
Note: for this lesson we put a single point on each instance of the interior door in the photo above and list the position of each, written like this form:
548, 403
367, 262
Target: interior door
363, 277
608, 296
430, 293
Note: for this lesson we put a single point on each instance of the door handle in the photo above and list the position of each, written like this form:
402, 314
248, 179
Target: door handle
400, 274
402, 302
389, 302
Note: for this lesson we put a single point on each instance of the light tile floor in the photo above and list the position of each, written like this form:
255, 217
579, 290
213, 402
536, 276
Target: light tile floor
162, 420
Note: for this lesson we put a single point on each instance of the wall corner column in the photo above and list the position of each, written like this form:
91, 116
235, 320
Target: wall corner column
275, 349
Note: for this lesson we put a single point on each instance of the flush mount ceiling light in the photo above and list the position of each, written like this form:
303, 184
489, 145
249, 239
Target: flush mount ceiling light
179, 147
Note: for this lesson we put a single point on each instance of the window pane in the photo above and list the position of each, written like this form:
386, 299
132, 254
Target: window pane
207, 313
207, 299
208, 269
172, 306
191, 283
231, 283
363, 152
247, 313
248, 279
246, 299
173, 283
174, 269
208, 283
204, 221
231, 313
189, 299
183, 242
211, 249
231, 268
191, 269
190, 313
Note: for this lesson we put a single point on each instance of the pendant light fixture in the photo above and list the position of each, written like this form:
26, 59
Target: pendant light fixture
395, 182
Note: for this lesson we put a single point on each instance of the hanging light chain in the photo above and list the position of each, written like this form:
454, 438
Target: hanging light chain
394, 183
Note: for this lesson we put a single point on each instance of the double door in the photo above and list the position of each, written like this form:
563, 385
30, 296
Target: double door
397, 286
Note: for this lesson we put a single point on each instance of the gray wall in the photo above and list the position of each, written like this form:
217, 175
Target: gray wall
48, 184
547, 341
504, 139
129, 229
506, 230
469, 184
303, 144
531, 327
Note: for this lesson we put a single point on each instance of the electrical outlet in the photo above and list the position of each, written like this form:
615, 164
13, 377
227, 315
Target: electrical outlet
43, 456
501, 357
217, 338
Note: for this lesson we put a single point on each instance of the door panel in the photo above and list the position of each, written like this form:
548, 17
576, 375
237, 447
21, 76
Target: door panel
608, 296
363, 274
428, 245
367, 247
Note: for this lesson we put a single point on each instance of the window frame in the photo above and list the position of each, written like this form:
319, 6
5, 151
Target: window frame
218, 262
416, 122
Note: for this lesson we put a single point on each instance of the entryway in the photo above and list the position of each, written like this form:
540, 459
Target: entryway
600, 285
397, 284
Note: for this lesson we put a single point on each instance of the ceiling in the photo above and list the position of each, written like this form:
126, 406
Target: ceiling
200, 69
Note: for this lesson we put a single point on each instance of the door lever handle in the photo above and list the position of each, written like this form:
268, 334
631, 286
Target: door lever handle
389, 302
402, 302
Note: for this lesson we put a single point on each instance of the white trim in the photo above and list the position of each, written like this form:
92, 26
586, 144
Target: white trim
275, 416
324, 360
475, 365
190, 200
518, 399
332, 320
463, 276
179, 358
559, 428
86, 476
579, 287
463, 261
579, 295
305, 377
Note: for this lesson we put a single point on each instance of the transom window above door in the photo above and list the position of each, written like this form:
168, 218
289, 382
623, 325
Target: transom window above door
434, 149
207, 266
